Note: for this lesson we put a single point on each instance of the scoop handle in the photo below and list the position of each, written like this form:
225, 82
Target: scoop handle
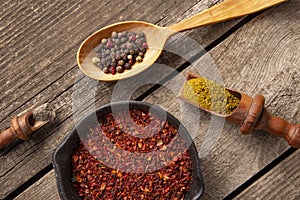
259, 118
20, 128
7, 136
226, 10
281, 128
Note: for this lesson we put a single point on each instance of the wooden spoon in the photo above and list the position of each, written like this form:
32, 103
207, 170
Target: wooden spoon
252, 115
156, 36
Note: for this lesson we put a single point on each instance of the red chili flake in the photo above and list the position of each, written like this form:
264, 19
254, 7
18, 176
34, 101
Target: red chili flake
75, 158
92, 179
103, 186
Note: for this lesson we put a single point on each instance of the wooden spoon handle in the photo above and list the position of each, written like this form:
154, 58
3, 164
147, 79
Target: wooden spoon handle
280, 127
226, 10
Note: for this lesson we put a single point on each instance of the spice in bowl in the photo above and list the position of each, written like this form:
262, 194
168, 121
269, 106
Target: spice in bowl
102, 172
120, 51
210, 95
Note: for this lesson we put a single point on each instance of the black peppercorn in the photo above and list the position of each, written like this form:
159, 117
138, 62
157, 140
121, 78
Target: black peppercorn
125, 33
112, 55
118, 57
123, 39
107, 62
127, 66
118, 41
122, 55
131, 52
141, 35
144, 50
126, 51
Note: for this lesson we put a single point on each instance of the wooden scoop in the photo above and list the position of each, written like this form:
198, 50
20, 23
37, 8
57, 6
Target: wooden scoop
252, 115
157, 36
25, 123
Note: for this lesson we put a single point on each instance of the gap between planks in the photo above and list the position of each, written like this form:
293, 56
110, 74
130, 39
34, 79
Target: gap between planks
28, 188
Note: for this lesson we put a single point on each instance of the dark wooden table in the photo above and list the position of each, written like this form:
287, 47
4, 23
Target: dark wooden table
255, 54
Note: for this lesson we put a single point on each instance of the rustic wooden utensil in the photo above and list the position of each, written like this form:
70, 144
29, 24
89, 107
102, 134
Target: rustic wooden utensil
252, 115
157, 36
25, 123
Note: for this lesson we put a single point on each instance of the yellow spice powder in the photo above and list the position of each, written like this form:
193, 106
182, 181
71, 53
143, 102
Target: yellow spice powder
210, 95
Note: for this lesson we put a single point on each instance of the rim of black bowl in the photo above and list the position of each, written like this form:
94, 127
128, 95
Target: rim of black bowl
62, 155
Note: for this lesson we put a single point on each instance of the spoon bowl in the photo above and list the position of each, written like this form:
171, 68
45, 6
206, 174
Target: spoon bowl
153, 35
157, 36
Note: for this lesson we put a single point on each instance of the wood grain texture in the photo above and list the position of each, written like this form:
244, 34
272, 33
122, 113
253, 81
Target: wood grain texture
28, 59
282, 182
253, 60
34, 192
38, 49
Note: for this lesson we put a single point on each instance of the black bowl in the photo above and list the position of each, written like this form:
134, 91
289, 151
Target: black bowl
62, 155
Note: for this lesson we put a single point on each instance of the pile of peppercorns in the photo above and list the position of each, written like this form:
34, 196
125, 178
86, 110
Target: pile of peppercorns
120, 51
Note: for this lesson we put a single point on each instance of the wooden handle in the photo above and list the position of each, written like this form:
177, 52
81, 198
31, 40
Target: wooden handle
25, 123
280, 127
7, 136
226, 10
255, 108
258, 118
20, 128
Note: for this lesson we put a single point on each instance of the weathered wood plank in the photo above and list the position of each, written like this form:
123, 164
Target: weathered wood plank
20, 41
55, 73
247, 67
253, 60
282, 182
35, 193
34, 63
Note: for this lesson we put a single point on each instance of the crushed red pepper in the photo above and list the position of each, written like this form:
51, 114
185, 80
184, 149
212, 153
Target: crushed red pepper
104, 166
